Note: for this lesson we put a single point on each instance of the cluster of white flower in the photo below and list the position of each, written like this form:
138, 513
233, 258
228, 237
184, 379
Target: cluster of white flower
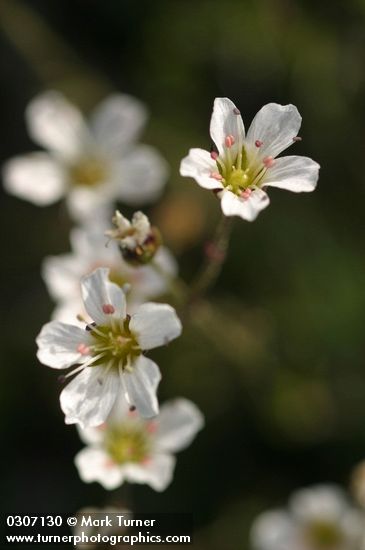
319, 518
112, 396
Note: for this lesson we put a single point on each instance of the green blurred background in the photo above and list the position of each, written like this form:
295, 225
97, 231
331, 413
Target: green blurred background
277, 361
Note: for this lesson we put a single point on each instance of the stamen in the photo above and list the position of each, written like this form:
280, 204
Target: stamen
229, 140
214, 155
269, 162
132, 409
90, 326
297, 138
236, 111
151, 427
61, 378
108, 309
216, 176
83, 349
246, 194
109, 463
258, 143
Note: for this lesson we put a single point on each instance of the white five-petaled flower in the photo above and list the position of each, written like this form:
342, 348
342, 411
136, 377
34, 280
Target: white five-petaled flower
244, 165
89, 164
109, 352
130, 448
319, 518
62, 273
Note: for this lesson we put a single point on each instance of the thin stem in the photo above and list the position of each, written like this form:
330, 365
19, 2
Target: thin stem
216, 251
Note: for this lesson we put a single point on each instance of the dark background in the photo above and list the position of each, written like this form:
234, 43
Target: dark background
277, 363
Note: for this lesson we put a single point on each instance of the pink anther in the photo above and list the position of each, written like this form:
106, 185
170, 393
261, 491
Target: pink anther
269, 162
214, 155
216, 176
229, 141
258, 143
151, 427
246, 194
83, 349
108, 309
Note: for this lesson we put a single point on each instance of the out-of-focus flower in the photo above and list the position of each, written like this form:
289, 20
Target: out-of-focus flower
109, 353
137, 239
83, 528
358, 484
243, 166
89, 164
62, 274
319, 518
130, 448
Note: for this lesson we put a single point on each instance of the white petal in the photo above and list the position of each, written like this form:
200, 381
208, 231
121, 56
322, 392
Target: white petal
88, 205
140, 176
293, 173
70, 312
141, 386
200, 165
62, 276
155, 325
58, 343
35, 177
324, 502
273, 530
92, 435
276, 126
248, 209
56, 124
89, 397
157, 471
117, 122
225, 122
94, 464
98, 291
178, 423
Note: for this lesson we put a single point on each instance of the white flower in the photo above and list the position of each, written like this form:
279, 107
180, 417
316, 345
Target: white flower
245, 165
319, 518
130, 448
109, 352
62, 273
90, 165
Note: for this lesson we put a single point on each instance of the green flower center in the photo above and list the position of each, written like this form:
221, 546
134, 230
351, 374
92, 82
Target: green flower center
127, 444
115, 344
324, 535
88, 172
115, 276
240, 172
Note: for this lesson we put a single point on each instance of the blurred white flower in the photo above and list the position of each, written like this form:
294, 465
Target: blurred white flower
130, 448
319, 518
245, 165
62, 274
89, 164
109, 353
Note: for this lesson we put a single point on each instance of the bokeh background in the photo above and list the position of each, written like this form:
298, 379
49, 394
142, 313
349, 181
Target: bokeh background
276, 359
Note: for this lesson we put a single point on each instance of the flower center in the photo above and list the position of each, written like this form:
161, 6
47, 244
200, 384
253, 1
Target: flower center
120, 279
127, 444
241, 168
115, 345
324, 535
88, 172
